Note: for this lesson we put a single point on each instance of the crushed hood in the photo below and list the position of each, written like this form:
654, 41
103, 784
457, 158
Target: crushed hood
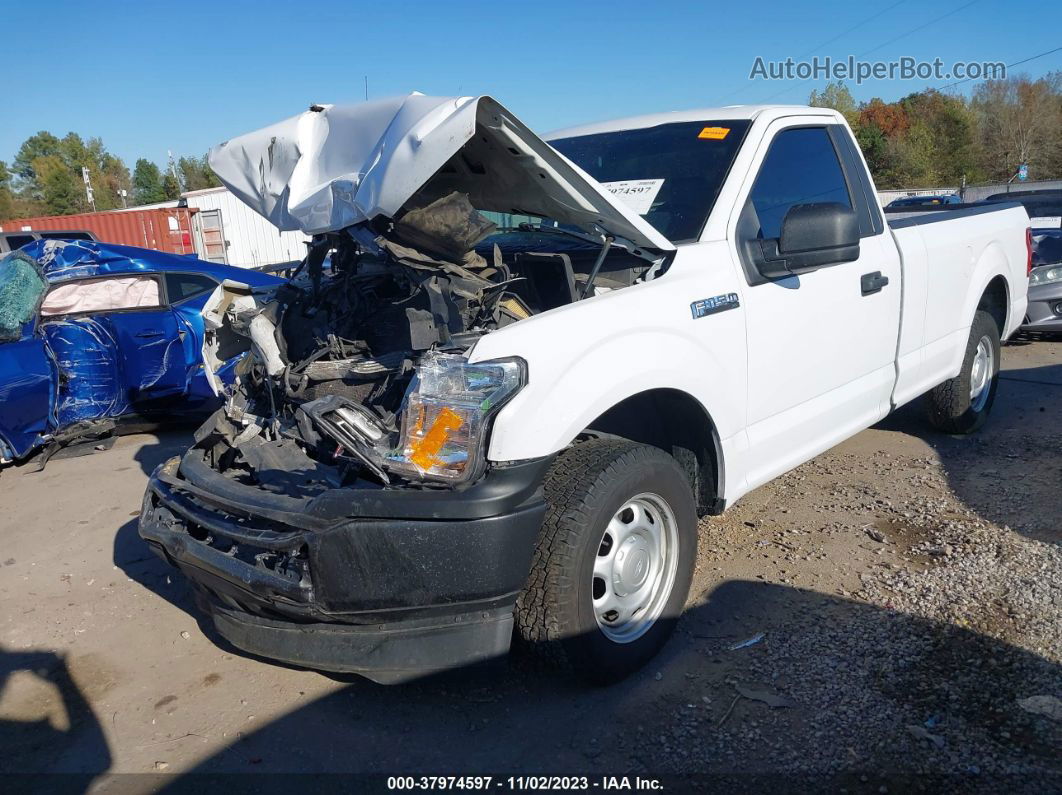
338, 165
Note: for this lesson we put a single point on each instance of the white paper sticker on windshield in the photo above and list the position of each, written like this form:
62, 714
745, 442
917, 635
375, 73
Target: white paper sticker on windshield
638, 194
1046, 222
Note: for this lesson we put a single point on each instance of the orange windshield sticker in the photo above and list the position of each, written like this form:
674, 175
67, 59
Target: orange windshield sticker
428, 447
714, 133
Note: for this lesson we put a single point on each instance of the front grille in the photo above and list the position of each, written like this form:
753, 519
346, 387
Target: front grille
269, 548
292, 564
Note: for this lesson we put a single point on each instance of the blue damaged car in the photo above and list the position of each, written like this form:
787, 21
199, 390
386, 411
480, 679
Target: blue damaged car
91, 333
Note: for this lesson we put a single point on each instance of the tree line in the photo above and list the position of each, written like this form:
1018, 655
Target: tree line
930, 139
925, 139
46, 178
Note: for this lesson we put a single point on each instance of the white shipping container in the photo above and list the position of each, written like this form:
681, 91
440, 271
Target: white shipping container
251, 240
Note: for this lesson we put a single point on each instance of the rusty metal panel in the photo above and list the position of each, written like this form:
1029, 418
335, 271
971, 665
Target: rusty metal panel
167, 229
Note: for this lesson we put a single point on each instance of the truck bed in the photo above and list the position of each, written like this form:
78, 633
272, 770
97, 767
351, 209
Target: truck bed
942, 251
920, 216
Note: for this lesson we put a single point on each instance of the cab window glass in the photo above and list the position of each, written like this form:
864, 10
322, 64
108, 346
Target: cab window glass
181, 286
801, 167
15, 242
66, 236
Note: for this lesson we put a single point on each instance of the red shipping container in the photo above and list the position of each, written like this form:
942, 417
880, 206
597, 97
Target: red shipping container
168, 229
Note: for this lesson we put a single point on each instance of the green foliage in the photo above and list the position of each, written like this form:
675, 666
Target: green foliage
1019, 120
171, 189
929, 139
836, 96
7, 200
197, 174
147, 183
37, 191
43, 144
60, 191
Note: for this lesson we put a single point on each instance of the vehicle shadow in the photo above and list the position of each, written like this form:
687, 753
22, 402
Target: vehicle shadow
46, 724
1009, 471
132, 555
173, 440
868, 699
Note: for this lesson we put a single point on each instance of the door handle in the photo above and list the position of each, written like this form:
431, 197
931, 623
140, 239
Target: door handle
870, 283
149, 332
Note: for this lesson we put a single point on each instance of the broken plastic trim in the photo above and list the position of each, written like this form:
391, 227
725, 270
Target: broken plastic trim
350, 425
228, 302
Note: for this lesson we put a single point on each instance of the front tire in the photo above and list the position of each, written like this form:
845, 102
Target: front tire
962, 404
614, 560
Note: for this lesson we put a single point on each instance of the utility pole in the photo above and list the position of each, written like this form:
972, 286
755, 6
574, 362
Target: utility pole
88, 188
366, 88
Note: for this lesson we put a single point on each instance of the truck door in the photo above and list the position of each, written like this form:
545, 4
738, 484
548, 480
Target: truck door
822, 344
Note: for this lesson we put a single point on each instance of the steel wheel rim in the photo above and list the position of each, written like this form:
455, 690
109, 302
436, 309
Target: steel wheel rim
981, 371
634, 568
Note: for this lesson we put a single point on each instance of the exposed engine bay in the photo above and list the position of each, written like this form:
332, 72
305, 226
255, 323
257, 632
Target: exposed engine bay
358, 374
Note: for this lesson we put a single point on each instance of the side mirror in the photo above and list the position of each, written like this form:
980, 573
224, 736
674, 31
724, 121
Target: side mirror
813, 236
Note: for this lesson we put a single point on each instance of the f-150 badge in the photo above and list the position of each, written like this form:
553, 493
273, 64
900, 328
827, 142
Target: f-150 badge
718, 303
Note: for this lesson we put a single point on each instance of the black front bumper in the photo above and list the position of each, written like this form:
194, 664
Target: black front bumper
389, 583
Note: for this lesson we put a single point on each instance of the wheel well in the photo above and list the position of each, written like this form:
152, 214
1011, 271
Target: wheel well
678, 424
994, 301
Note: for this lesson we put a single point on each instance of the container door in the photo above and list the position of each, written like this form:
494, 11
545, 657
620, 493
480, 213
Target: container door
209, 232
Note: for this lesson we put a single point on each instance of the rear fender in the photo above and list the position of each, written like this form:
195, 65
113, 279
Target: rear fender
991, 263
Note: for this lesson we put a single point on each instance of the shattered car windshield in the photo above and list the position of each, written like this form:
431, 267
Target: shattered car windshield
21, 288
669, 174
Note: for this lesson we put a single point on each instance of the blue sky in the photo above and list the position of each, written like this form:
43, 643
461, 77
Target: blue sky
149, 76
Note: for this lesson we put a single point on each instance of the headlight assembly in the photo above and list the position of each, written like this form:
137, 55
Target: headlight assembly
1045, 275
447, 415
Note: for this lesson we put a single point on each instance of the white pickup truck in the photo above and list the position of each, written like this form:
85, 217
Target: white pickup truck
510, 374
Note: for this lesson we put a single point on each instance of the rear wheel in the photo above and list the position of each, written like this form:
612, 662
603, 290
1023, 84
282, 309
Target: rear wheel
962, 404
613, 563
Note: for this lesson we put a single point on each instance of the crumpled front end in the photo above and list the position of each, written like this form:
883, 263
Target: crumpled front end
359, 371
339, 510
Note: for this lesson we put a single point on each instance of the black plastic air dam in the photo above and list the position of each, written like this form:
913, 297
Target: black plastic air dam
357, 566
391, 599
385, 653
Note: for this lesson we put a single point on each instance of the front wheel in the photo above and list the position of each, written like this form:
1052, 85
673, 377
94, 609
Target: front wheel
961, 405
613, 563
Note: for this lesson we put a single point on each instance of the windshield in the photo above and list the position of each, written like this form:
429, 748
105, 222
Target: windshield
21, 288
670, 174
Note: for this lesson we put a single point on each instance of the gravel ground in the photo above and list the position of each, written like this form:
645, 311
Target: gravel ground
896, 605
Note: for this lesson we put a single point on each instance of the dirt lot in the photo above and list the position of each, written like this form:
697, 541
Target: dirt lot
907, 587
